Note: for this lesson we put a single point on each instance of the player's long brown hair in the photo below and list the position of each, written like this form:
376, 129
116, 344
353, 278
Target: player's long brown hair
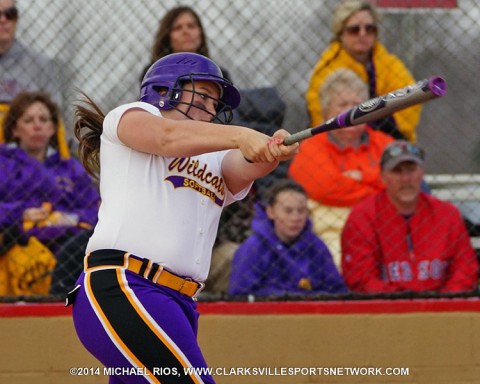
88, 127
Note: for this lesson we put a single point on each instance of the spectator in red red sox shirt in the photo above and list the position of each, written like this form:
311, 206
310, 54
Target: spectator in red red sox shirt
401, 239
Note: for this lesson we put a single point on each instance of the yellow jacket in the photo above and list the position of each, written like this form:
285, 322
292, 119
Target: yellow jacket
391, 74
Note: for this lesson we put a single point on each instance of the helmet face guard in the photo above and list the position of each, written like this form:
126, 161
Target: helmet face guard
223, 112
163, 84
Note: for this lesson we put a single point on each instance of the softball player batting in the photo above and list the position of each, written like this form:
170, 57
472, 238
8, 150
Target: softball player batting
166, 171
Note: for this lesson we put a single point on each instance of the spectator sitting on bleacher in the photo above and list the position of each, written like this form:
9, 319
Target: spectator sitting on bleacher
42, 195
402, 239
339, 168
283, 255
180, 30
356, 46
21, 68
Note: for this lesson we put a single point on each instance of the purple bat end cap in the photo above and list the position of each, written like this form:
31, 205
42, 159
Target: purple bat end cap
437, 85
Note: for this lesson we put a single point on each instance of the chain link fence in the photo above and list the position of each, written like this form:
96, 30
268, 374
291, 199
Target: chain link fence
101, 48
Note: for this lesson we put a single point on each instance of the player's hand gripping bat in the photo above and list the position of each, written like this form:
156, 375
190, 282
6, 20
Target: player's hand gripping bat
378, 107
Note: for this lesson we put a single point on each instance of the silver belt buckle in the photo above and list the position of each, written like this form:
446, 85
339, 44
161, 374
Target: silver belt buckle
199, 289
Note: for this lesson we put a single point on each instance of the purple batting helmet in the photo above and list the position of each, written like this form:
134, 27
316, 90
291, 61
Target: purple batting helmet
162, 84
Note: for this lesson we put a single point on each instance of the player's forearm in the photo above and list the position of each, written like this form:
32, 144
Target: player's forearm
238, 173
147, 133
190, 138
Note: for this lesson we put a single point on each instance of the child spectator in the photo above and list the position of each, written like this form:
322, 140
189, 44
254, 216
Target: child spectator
283, 255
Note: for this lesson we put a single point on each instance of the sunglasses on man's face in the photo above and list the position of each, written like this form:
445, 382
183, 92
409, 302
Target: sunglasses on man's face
354, 30
10, 13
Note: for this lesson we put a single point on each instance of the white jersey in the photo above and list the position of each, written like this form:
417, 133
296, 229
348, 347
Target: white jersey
163, 208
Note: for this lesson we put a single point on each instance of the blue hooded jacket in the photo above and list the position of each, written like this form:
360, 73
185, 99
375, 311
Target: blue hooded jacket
263, 265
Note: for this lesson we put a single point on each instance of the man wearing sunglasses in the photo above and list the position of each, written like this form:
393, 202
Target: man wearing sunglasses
21, 68
402, 239
356, 46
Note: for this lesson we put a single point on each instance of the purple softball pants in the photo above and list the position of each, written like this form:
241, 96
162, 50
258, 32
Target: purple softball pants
140, 331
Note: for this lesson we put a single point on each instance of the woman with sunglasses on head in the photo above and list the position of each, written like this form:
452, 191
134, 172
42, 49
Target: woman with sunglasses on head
167, 169
356, 46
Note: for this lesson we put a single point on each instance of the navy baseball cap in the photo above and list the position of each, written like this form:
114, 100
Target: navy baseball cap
400, 151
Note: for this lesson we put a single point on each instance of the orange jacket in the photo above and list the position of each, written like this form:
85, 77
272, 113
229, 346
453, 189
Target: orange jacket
320, 164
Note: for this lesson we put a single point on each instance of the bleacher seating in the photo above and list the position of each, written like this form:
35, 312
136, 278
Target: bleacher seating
463, 190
